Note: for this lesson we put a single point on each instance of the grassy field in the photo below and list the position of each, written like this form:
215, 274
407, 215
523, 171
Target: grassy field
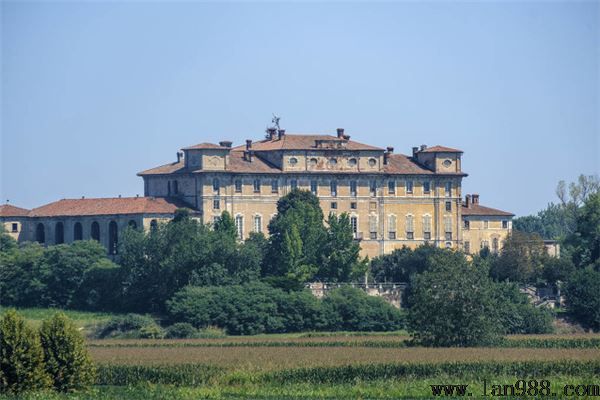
320, 365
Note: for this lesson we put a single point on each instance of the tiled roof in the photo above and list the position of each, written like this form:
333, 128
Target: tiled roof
304, 142
238, 164
8, 210
165, 169
441, 149
401, 164
202, 146
108, 206
476, 209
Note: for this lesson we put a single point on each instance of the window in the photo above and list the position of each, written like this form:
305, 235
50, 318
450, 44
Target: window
238, 186
95, 231
392, 227
216, 186
257, 224
153, 225
391, 187
257, 186
448, 188
113, 238
274, 186
466, 225
426, 187
373, 226
294, 184
504, 224
495, 245
372, 162
132, 224
333, 187
77, 231
216, 204
15, 227
352, 162
40, 233
486, 224
448, 245
484, 244
334, 205
332, 162
410, 227
59, 233
427, 226
353, 205
373, 188
313, 162
313, 187
448, 206
354, 225
409, 186
448, 227
239, 226
467, 247
175, 187
353, 191
293, 161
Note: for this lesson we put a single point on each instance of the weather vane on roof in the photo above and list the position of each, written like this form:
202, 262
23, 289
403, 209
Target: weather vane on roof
275, 120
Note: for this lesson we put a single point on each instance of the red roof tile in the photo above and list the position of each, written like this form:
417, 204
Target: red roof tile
441, 149
8, 210
165, 169
476, 209
401, 164
305, 142
203, 146
108, 206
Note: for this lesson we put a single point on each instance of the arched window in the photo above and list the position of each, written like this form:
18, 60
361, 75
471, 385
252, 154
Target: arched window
153, 225
40, 233
132, 224
495, 245
59, 233
77, 231
239, 226
113, 237
95, 231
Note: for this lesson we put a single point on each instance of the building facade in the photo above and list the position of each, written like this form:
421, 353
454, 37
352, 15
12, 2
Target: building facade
393, 200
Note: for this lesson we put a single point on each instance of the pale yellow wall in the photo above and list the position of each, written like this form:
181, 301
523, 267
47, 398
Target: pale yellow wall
477, 232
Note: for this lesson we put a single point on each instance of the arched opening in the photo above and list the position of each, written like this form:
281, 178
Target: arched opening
40, 233
113, 238
77, 231
495, 245
59, 233
153, 225
132, 224
95, 231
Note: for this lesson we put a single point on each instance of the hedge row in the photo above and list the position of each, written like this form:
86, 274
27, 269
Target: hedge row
473, 370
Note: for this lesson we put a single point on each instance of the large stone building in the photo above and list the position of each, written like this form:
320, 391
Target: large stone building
393, 200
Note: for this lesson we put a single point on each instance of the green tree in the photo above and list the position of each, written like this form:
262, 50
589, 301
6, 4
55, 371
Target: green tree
297, 237
521, 260
341, 260
226, 225
583, 302
21, 356
401, 264
21, 276
66, 358
7, 242
453, 304
585, 240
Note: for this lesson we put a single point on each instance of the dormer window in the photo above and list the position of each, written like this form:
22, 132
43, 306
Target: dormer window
447, 163
372, 162
293, 161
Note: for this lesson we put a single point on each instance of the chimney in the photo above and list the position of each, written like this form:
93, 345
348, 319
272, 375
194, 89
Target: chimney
225, 143
271, 132
119, 196
281, 133
390, 149
468, 201
248, 154
415, 151
340, 133
423, 147
248, 144
178, 156
386, 155
475, 198
347, 137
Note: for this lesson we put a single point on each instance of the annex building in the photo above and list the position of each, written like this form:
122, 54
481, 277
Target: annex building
393, 200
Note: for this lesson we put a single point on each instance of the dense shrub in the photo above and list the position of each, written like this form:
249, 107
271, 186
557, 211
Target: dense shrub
181, 330
21, 356
518, 315
66, 358
211, 332
583, 302
130, 326
350, 309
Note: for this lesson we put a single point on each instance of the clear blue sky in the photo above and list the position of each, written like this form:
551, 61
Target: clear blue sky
92, 93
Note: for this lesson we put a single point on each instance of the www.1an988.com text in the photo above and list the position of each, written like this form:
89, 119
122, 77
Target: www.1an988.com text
521, 387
